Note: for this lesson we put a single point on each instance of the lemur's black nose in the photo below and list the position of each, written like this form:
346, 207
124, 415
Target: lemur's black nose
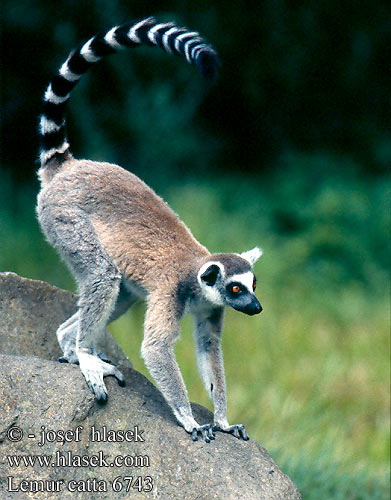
258, 308
253, 308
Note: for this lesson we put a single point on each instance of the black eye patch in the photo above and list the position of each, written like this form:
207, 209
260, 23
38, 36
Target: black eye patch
235, 289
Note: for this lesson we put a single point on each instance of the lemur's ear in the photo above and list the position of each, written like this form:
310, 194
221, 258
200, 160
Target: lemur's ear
252, 255
210, 275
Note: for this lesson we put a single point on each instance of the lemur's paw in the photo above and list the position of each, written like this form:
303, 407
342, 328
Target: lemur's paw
117, 374
238, 430
94, 369
206, 432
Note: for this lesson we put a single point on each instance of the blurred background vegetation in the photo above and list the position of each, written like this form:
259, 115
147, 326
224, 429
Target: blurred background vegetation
287, 150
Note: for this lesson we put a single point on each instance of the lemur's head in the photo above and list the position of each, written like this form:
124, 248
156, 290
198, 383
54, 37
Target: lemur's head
228, 279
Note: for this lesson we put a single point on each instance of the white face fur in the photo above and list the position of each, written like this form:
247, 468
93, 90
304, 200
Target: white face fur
211, 292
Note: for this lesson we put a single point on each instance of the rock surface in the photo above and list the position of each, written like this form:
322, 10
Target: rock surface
36, 392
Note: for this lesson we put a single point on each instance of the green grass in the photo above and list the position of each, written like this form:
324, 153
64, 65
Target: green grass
310, 376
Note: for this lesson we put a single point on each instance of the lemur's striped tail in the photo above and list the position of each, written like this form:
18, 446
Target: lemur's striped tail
169, 37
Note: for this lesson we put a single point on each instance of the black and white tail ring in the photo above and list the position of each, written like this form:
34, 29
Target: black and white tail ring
167, 36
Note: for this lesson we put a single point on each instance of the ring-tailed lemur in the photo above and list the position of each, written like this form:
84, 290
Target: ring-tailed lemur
122, 242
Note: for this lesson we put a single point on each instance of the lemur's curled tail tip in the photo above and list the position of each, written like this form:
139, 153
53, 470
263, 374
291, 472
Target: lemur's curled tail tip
167, 36
208, 64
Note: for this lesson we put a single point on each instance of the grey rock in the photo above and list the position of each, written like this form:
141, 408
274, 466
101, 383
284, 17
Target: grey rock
36, 392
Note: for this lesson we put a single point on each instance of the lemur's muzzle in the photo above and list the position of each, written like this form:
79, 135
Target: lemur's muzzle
249, 307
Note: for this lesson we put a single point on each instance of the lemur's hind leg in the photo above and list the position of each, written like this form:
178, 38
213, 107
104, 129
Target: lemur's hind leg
99, 283
98, 295
124, 302
67, 331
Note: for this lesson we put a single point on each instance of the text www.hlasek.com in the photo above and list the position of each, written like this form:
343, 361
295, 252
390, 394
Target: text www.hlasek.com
68, 459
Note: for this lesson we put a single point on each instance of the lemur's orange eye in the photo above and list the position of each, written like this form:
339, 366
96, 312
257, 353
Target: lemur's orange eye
236, 289
254, 284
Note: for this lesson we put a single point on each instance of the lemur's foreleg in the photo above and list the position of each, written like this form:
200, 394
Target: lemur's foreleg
161, 332
207, 336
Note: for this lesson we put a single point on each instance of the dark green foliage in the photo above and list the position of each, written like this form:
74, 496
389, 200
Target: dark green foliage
300, 76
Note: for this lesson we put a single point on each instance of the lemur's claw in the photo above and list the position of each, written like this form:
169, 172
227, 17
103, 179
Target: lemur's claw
102, 399
238, 431
206, 432
242, 432
101, 396
63, 359
104, 358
